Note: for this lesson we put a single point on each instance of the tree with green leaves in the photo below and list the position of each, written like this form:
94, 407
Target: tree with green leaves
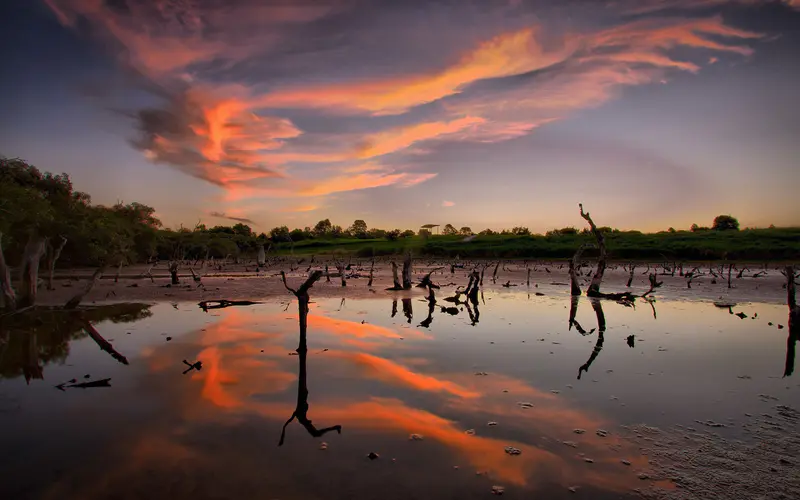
725, 223
358, 229
449, 230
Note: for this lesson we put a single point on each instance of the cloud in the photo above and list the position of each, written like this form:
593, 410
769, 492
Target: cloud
227, 115
223, 215
448, 203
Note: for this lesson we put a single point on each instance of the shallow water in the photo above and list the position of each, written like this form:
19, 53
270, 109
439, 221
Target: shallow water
214, 433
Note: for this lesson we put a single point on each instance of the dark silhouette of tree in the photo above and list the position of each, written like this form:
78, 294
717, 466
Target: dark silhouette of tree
358, 229
725, 223
449, 230
323, 228
466, 231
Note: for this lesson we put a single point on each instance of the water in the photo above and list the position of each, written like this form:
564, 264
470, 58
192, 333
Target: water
214, 433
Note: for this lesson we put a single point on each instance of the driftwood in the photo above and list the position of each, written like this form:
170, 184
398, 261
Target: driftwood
29, 270
426, 280
630, 277
103, 343
222, 303
173, 272
8, 299
76, 300
371, 269
301, 409
53, 253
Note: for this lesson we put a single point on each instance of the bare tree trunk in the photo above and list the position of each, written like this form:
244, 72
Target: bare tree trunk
119, 270
630, 278
29, 270
407, 272
173, 272
262, 256
575, 285
8, 299
730, 268
594, 286
371, 269
529, 276
76, 300
494, 274
52, 256
395, 278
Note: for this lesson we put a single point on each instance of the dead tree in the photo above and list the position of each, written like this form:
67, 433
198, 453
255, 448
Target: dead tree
794, 319
602, 259
653, 285
29, 270
173, 272
574, 264
426, 280
119, 270
730, 268
371, 269
8, 299
529, 277
407, 271
395, 278
53, 253
76, 300
301, 409
630, 278
494, 274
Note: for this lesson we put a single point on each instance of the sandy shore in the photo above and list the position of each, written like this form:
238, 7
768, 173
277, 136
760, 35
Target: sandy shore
243, 282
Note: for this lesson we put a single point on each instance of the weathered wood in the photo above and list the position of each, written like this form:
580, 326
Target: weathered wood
103, 343
76, 300
407, 272
29, 270
574, 264
53, 254
395, 278
262, 256
630, 277
602, 259
371, 269
8, 298
173, 272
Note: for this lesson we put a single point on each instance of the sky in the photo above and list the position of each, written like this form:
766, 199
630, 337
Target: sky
479, 113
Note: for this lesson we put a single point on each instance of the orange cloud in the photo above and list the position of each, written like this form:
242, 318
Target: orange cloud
392, 372
396, 139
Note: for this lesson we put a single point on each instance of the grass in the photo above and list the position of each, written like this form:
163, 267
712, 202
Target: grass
748, 244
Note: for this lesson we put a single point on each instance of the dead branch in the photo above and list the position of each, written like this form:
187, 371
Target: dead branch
594, 286
53, 253
395, 278
426, 280
407, 271
630, 278
76, 300
653, 285
222, 303
574, 264
103, 343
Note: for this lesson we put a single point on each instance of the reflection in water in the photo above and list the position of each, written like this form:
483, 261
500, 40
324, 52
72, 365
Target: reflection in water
30, 342
601, 329
794, 320
407, 310
301, 410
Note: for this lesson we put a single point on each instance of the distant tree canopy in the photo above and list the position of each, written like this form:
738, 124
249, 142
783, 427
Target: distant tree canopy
449, 230
725, 223
465, 230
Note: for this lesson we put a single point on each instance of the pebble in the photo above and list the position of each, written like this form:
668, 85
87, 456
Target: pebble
578, 431
415, 437
626, 462
602, 433
643, 476
571, 444
373, 456
323, 446
491, 424
588, 460
573, 489
469, 432
481, 374
525, 405
513, 451
498, 490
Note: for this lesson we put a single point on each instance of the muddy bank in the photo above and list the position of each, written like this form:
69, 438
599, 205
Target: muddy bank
244, 282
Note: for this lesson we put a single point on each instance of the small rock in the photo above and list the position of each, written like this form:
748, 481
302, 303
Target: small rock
415, 437
578, 431
626, 462
498, 490
571, 444
643, 476
169, 338
588, 460
469, 432
87, 376
573, 489
525, 405
455, 467
602, 433
373, 456
555, 391
491, 424
513, 451
323, 446
780, 327
481, 374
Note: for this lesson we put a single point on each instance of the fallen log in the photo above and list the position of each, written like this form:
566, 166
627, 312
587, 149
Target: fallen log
103, 343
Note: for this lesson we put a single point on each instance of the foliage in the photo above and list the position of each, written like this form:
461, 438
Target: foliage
449, 230
725, 223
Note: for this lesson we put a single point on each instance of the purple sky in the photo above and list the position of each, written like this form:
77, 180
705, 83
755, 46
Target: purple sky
653, 113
